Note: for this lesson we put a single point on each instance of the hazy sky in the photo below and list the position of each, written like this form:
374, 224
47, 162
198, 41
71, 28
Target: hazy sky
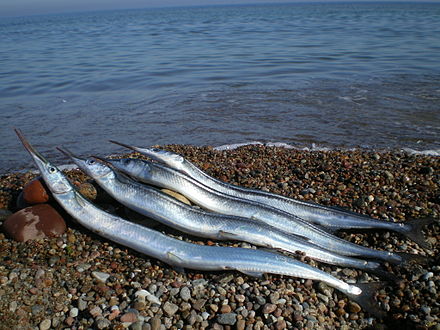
35, 7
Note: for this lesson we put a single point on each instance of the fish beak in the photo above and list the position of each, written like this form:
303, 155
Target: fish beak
40, 161
125, 145
70, 154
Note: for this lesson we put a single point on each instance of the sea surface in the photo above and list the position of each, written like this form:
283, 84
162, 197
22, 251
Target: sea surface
344, 75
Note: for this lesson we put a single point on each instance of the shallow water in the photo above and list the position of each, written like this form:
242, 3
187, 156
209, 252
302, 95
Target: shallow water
332, 75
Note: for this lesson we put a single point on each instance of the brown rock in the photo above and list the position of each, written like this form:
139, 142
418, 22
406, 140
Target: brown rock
34, 222
269, 308
225, 309
35, 192
129, 317
353, 307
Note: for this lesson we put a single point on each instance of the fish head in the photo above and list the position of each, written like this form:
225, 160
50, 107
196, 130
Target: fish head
55, 180
164, 156
131, 166
91, 166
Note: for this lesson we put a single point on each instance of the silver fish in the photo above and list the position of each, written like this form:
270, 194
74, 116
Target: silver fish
182, 254
328, 217
162, 176
153, 203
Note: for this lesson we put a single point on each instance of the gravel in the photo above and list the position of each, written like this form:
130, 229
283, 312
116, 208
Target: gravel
84, 281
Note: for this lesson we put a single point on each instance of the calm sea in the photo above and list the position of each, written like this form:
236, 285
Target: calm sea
326, 75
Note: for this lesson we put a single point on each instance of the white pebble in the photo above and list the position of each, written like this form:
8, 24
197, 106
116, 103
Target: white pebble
73, 312
100, 276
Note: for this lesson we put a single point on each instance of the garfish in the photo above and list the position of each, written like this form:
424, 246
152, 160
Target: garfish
155, 204
183, 254
166, 177
329, 217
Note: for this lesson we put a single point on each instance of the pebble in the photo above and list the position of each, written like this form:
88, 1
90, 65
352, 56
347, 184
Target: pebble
35, 192
100, 276
353, 307
155, 323
34, 222
73, 312
45, 324
228, 318
170, 308
185, 293
269, 308
129, 317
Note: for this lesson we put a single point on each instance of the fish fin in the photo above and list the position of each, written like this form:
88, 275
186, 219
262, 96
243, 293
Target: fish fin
173, 258
413, 258
250, 273
226, 235
366, 298
413, 230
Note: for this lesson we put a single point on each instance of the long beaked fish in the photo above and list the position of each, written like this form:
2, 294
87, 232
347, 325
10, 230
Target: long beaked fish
328, 217
183, 254
161, 207
166, 177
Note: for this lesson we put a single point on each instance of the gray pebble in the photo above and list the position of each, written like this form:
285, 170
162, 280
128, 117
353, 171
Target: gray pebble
228, 318
185, 293
103, 323
82, 305
260, 300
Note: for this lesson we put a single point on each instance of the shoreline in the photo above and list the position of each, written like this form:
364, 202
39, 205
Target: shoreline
385, 185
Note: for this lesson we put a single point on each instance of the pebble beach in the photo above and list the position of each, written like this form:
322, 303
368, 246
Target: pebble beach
81, 281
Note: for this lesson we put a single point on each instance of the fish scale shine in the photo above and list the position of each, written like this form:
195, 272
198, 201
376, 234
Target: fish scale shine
165, 209
185, 254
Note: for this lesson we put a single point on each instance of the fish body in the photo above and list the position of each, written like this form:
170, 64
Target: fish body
179, 253
328, 217
153, 203
162, 176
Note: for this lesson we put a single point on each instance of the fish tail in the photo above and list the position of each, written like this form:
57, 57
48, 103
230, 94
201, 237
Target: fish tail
382, 273
407, 258
366, 298
413, 230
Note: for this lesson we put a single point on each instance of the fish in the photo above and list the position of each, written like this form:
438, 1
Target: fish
159, 175
331, 218
165, 209
184, 254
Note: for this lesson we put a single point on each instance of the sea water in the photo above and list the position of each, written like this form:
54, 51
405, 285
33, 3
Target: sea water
333, 75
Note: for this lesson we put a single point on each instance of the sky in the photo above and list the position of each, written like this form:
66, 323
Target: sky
38, 7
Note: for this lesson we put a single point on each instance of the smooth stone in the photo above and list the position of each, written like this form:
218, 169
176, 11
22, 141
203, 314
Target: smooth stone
35, 222
155, 323
45, 324
185, 293
169, 308
100, 276
129, 317
227, 319
35, 192
177, 196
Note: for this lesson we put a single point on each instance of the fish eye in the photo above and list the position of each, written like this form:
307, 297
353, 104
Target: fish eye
156, 150
90, 161
52, 170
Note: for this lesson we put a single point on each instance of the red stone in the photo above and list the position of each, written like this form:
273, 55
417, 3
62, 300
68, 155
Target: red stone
34, 222
129, 317
35, 192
